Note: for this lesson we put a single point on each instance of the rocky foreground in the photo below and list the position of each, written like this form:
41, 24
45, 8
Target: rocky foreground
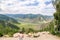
43, 36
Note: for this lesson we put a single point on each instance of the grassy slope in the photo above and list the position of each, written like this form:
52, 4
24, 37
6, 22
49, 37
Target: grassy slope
32, 25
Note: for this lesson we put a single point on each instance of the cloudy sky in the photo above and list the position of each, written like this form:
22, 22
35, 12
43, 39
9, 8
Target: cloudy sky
44, 7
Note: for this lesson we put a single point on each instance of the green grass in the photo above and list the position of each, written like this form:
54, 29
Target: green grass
27, 25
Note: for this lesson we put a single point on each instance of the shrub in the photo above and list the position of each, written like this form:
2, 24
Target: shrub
1, 34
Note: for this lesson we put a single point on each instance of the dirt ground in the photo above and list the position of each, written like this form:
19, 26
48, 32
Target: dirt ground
43, 36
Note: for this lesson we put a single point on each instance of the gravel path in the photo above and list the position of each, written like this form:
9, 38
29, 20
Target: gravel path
43, 36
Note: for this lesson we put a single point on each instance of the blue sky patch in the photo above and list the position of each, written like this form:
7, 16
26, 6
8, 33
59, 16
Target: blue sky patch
33, 4
10, 4
47, 3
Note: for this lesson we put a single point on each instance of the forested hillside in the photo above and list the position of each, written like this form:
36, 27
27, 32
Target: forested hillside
7, 25
7, 19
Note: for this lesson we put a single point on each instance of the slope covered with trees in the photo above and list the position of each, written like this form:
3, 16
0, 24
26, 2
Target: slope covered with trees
7, 27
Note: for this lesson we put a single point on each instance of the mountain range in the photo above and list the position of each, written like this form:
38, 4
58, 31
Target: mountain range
31, 18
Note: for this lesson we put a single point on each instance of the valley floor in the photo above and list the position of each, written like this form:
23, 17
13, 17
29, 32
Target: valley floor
43, 36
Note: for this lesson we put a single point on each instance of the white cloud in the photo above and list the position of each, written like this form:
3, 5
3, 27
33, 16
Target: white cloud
26, 6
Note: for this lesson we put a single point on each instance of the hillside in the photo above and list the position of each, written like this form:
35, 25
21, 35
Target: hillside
7, 19
7, 26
